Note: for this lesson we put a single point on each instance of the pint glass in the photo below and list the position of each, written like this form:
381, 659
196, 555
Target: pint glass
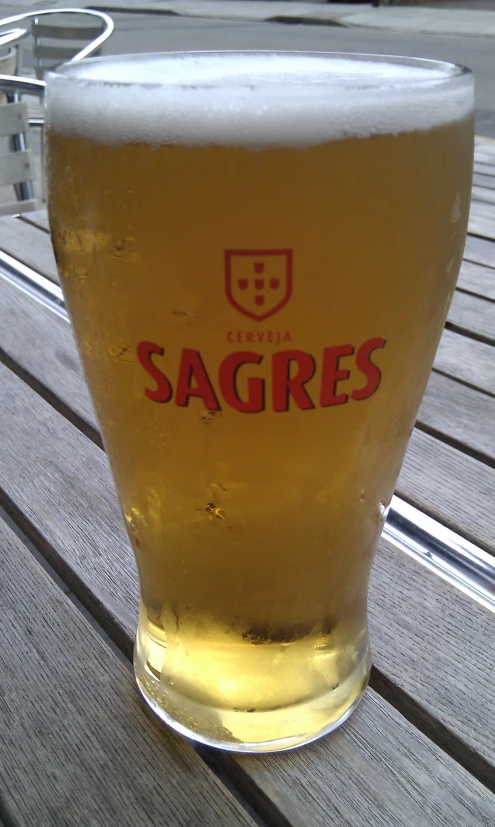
258, 252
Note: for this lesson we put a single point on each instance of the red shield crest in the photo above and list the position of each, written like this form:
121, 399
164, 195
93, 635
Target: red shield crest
258, 283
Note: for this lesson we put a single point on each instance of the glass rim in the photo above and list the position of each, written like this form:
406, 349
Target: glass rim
74, 70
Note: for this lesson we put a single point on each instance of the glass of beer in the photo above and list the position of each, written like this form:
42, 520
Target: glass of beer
258, 252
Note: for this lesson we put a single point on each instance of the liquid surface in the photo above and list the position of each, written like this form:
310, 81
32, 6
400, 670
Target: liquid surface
253, 99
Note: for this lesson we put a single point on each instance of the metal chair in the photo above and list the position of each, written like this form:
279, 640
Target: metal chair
8, 66
9, 61
15, 86
12, 38
64, 24
17, 169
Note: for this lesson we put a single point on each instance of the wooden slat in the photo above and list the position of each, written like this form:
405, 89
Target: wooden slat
485, 169
16, 168
483, 194
462, 416
39, 219
484, 145
58, 53
76, 745
75, 32
16, 207
438, 646
44, 455
473, 314
480, 251
42, 345
315, 787
468, 360
482, 156
453, 488
474, 278
32, 247
486, 181
482, 219
13, 119
377, 769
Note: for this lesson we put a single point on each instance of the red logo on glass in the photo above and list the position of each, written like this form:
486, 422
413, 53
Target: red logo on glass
258, 283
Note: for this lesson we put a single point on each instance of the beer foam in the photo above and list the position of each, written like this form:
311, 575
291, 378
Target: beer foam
253, 99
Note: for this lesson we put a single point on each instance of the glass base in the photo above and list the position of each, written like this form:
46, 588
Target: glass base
249, 730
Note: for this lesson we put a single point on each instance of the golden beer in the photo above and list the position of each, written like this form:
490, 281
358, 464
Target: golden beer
258, 252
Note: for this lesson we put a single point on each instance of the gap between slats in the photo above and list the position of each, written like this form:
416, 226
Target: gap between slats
472, 292
59, 569
5, 818
434, 729
120, 645
223, 764
464, 382
125, 634
49, 396
452, 441
470, 334
59, 581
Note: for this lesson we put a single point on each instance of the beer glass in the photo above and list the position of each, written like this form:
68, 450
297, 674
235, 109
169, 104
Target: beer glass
258, 252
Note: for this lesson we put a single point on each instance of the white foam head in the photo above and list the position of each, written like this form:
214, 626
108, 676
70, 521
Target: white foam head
253, 99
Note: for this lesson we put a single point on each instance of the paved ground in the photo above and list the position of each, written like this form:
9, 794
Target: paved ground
413, 17
472, 5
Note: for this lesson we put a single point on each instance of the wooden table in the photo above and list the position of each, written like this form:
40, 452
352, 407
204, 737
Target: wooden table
78, 748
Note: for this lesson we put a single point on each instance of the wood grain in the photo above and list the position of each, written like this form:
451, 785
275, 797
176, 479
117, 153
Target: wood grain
42, 345
33, 247
48, 469
483, 194
483, 144
14, 118
481, 180
437, 646
38, 218
16, 167
450, 486
484, 156
77, 746
482, 219
459, 415
380, 767
473, 315
480, 251
395, 777
477, 279
485, 169
467, 360
8, 208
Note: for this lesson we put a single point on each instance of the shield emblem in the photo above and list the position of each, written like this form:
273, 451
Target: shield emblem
258, 283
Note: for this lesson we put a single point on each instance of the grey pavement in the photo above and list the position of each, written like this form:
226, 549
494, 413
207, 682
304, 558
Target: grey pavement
441, 20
